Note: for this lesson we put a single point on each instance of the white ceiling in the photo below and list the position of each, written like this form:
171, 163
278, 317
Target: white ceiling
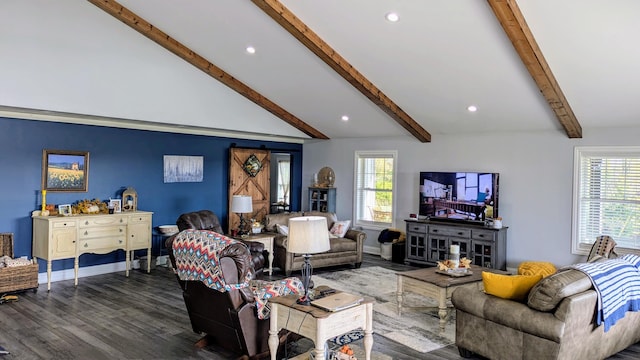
442, 56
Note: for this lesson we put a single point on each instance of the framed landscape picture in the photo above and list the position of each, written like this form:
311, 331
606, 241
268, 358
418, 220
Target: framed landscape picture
64, 170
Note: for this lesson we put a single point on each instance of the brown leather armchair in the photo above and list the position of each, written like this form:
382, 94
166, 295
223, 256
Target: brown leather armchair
229, 319
207, 220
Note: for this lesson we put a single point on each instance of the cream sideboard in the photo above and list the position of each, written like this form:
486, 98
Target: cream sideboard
56, 238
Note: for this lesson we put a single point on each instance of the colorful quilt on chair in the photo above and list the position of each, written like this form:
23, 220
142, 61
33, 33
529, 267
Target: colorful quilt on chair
265, 290
196, 254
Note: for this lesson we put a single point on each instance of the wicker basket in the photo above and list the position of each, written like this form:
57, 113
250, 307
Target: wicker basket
19, 277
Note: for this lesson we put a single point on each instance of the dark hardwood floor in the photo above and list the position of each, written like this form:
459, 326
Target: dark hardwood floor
140, 317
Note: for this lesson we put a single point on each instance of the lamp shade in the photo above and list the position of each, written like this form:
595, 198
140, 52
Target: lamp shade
308, 235
241, 204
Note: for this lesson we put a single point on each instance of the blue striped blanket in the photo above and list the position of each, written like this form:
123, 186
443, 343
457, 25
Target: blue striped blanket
617, 282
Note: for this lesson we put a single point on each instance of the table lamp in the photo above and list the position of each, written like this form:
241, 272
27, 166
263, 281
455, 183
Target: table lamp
242, 204
307, 235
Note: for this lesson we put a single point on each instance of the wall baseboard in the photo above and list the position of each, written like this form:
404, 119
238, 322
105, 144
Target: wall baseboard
85, 271
373, 250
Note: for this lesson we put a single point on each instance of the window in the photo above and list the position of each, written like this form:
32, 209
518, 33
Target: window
375, 177
284, 181
606, 199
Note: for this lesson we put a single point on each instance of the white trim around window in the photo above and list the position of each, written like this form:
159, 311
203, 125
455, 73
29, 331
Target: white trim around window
374, 189
606, 197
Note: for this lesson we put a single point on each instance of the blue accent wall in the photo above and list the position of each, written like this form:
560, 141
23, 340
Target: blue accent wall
118, 158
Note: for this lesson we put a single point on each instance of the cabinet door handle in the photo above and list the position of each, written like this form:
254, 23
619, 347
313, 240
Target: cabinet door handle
121, 221
86, 245
481, 235
86, 233
434, 230
460, 233
86, 223
120, 241
120, 230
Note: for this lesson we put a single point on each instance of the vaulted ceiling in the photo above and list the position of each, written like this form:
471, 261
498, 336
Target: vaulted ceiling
527, 65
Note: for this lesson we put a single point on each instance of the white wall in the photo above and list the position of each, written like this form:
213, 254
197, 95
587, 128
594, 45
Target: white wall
536, 174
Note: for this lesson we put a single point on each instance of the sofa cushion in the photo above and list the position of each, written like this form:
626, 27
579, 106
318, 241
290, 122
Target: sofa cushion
342, 244
339, 228
547, 294
536, 268
337, 244
282, 229
271, 220
512, 287
331, 217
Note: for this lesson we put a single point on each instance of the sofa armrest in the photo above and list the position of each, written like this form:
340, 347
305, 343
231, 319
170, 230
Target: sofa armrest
355, 235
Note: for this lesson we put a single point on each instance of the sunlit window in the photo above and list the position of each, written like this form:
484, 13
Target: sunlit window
375, 177
284, 181
606, 199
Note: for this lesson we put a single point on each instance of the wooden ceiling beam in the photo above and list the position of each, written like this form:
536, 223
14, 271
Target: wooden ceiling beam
313, 42
516, 28
142, 26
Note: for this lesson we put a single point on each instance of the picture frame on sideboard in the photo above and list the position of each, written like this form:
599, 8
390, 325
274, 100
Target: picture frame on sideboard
116, 204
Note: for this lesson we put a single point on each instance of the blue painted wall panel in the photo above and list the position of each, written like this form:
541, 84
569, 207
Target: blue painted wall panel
118, 158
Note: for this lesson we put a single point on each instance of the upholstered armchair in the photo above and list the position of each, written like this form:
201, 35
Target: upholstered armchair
207, 220
222, 299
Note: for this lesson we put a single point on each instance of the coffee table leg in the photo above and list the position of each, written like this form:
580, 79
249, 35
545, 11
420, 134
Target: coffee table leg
368, 331
399, 295
442, 308
273, 332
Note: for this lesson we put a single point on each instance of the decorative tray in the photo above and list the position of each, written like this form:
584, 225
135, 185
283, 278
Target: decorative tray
455, 273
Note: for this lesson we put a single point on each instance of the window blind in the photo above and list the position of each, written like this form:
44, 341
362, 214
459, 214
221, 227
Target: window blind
608, 196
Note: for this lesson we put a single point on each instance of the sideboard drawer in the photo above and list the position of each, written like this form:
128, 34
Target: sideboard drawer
450, 231
106, 244
483, 235
140, 219
63, 224
104, 220
102, 231
419, 228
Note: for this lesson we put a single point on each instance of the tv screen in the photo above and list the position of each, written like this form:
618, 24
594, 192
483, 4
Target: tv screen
459, 195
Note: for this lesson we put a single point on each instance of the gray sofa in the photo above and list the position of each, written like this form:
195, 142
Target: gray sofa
347, 250
556, 322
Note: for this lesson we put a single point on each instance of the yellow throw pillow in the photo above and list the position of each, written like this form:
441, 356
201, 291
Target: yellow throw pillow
512, 287
536, 268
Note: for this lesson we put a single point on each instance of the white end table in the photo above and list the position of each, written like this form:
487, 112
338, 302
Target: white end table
267, 240
317, 324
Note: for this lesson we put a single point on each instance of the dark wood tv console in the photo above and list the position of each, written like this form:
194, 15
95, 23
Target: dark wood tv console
428, 242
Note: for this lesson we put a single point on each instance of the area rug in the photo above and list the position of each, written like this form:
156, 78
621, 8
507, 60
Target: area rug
418, 329
304, 345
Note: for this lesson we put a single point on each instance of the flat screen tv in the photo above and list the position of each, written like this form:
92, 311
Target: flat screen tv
459, 195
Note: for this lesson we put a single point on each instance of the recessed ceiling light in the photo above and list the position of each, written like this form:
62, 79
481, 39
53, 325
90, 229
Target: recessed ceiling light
472, 108
251, 50
393, 17
345, 118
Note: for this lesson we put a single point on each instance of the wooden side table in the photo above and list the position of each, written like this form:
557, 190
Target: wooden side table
317, 324
267, 241
264, 238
